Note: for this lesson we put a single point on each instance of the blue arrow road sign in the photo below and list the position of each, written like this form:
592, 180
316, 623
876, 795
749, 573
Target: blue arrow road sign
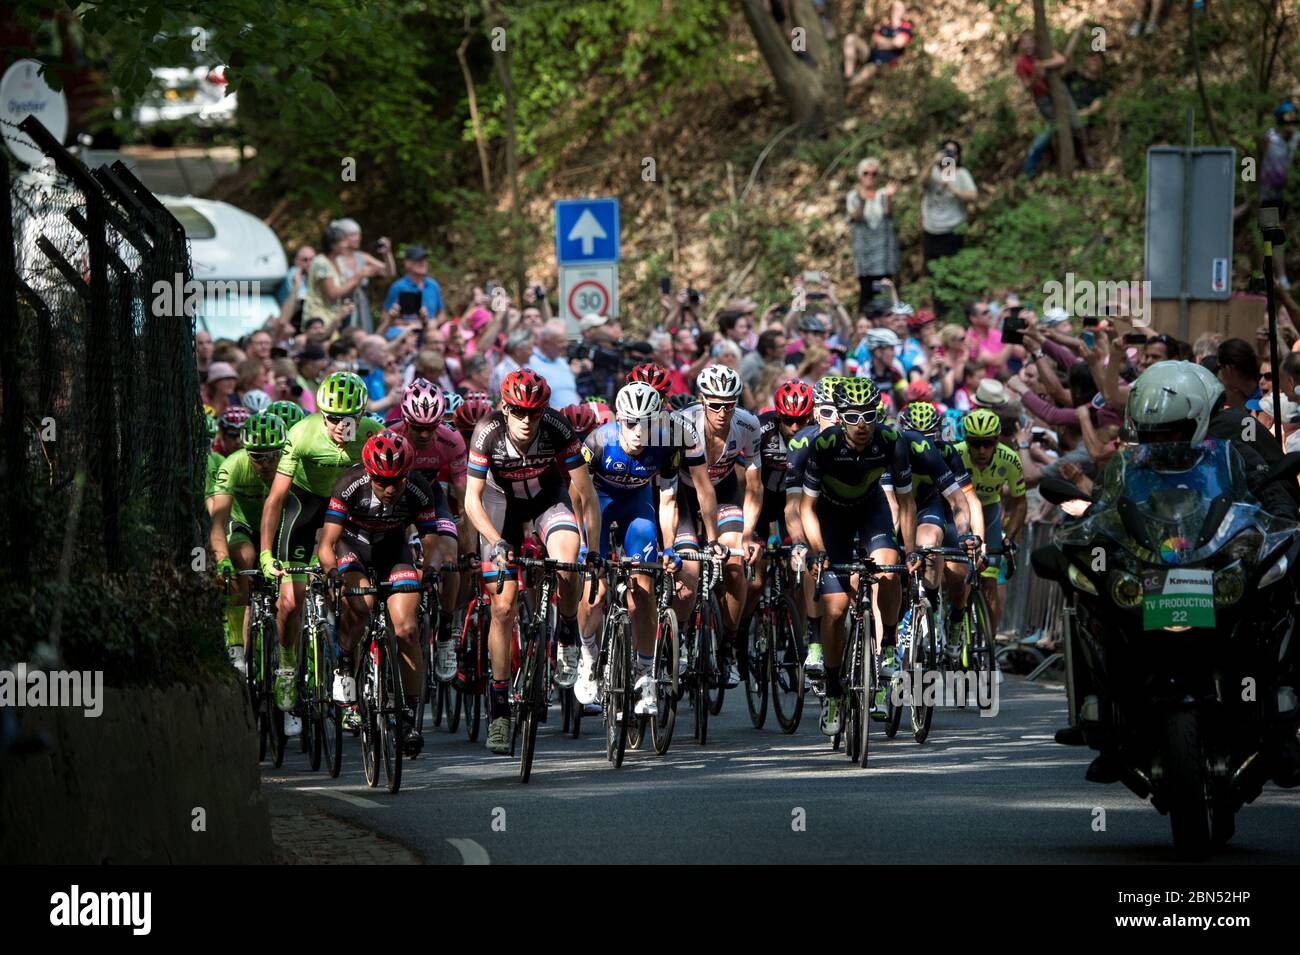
586, 231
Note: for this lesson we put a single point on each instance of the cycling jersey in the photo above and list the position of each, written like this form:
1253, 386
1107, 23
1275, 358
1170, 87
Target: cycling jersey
933, 473
839, 474
616, 472
741, 446
742, 441
533, 472
772, 451
354, 504
797, 457
238, 478
441, 459
313, 459
210, 470
1003, 469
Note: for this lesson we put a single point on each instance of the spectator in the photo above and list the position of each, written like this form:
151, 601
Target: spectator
1032, 73
251, 374
550, 360
963, 396
665, 356
353, 261
329, 295
519, 348
816, 364
945, 192
1153, 18
888, 41
284, 379
380, 371
737, 324
292, 293
259, 347
813, 330
685, 348
219, 388
871, 230
476, 374
1088, 89
991, 394
416, 278
1207, 344
983, 341
202, 351
1238, 369
770, 351
432, 366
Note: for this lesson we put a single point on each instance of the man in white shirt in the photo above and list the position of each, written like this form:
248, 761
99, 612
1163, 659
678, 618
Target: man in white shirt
550, 360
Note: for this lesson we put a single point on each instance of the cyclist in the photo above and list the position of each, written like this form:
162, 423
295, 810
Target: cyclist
992, 467
453, 403
945, 516
884, 369
286, 411
319, 448
370, 508
241, 485
824, 416
624, 456
440, 460
468, 415
792, 410
844, 478
581, 418
517, 457
730, 436
230, 427
213, 461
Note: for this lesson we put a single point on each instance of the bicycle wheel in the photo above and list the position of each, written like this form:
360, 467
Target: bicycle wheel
667, 653
618, 688
452, 695
274, 715
786, 666
474, 662
700, 679
368, 704
711, 622
869, 680
532, 704
257, 687
984, 652
431, 695
758, 643
923, 658
392, 729
310, 696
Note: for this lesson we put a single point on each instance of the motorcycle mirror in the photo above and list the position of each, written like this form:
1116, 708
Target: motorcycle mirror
1288, 467
1058, 490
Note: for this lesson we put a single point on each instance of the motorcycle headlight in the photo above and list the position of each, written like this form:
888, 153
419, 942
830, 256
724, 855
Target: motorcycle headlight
1274, 573
1125, 590
1080, 580
1229, 585
1245, 546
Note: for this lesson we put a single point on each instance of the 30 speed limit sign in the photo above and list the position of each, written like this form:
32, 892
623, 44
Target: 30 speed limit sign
588, 289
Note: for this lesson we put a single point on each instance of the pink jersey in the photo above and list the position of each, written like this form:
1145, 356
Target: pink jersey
442, 459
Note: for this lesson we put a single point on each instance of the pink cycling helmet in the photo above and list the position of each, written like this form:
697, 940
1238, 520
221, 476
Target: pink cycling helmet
422, 403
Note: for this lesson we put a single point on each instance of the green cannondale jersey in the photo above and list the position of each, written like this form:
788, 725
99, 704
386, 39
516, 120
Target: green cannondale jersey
210, 473
314, 460
1004, 469
237, 478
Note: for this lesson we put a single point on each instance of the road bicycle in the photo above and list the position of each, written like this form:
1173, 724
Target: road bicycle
322, 719
774, 645
473, 668
699, 641
260, 660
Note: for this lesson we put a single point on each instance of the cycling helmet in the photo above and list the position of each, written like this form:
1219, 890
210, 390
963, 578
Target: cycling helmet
637, 401
286, 411
210, 423
264, 432
604, 413
1172, 401
452, 403
342, 393
233, 417
902, 309
581, 417
794, 399
921, 416
471, 412
525, 389
921, 318
422, 403
719, 381
387, 455
681, 402
471, 395
882, 338
653, 375
256, 400
982, 423
857, 393
824, 390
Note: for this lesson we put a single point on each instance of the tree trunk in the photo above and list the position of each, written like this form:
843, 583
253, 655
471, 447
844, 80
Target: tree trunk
501, 57
1060, 95
813, 91
473, 112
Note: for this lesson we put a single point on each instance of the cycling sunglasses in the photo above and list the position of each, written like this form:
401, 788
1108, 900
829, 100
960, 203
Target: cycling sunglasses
858, 417
259, 456
388, 481
981, 442
827, 413
528, 414
337, 419
716, 406
796, 422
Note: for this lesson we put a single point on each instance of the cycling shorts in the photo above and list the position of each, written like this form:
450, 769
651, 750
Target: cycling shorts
939, 513
300, 520
731, 510
381, 556
993, 539
239, 532
509, 515
635, 516
841, 527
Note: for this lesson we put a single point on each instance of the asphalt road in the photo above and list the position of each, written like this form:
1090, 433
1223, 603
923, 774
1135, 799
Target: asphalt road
979, 790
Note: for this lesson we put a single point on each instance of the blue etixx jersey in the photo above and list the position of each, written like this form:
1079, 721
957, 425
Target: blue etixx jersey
616, 473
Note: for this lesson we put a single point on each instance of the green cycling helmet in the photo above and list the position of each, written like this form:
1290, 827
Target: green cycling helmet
342, 393
857, 393
982, 423
264, 432
920, 416
286, 411
210, 423
824, 390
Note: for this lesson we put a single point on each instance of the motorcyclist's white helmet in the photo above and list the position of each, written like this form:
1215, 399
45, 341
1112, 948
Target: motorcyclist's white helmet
1173, 401
637, 401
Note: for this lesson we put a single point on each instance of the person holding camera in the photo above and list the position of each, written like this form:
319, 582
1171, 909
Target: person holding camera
352, 261
945, 191
1279, 152
871, 230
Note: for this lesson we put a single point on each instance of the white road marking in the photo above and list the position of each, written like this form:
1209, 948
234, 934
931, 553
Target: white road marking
340, 795
471, 853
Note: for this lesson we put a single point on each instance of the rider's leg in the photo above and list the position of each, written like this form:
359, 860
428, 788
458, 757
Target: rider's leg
836, 607
403, 614
500, 634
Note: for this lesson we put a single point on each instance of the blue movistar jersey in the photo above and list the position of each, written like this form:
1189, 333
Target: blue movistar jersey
615, 472
936, 468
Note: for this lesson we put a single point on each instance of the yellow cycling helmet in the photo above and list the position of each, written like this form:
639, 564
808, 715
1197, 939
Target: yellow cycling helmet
982, 423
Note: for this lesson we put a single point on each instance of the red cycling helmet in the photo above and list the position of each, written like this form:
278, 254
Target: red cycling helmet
473, 410
604, 413
387, 455
525, 389
653, 375
582, 417
422, 404
234, 417
794, 399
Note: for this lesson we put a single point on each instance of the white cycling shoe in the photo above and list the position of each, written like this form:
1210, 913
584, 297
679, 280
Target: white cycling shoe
566, 665
345, 688
236, 656
648, 704
444, 666
585, 688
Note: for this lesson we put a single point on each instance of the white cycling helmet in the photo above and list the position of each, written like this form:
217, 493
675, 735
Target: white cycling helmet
719, 381
881, 338
636, 401
1173, 401
256, 400
902, 308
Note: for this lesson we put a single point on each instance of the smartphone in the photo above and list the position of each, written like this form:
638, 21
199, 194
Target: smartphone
1135, 338
1040, 437
665, 285
1089, 339
814, 296
1013, 330
489, 288
408, 303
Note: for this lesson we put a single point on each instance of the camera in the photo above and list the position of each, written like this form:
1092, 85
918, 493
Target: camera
693, 298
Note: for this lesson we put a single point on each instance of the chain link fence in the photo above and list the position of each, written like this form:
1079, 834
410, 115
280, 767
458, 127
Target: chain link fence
103, 439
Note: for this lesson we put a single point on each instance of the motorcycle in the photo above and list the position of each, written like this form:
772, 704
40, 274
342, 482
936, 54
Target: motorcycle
1180, 650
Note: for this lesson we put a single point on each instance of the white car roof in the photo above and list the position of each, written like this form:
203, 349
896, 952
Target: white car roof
228, 243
